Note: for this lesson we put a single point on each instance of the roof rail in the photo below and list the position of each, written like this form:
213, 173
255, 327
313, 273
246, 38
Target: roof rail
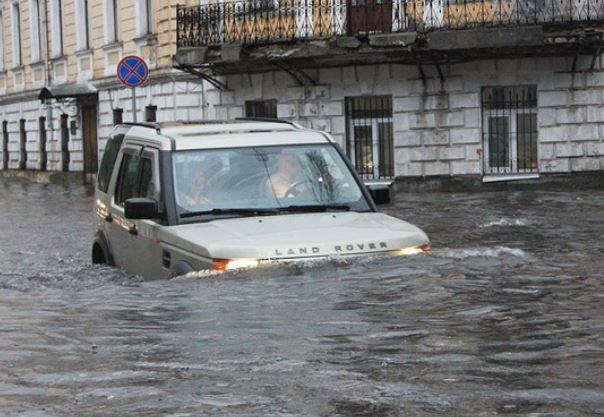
150, 125
268, 119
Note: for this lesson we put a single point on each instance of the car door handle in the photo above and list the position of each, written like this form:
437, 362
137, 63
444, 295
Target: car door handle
133, 231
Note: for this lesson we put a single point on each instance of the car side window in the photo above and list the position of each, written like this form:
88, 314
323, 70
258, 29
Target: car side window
112, 149
147, 184
149, 180
126, 186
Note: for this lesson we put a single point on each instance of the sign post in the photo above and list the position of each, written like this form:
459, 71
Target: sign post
132, 71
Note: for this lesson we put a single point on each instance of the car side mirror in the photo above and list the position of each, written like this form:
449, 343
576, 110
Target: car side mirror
380, 193
141, 208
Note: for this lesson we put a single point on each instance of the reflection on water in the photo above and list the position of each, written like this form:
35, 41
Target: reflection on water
506, 317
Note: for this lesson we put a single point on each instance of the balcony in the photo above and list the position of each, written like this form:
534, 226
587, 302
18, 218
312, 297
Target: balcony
332, 32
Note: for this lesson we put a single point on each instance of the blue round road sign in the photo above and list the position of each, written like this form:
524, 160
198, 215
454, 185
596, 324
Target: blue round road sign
132, 71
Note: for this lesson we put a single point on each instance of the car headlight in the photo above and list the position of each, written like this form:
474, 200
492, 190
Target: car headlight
414, 250
230, 264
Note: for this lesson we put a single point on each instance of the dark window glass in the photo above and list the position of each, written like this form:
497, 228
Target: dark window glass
118, 116
147, 179
111, 151
261, 108
151, 114
23, 144
526, 124
509, 97
126, 187
87, 25
4, 142
60, 12
42, 136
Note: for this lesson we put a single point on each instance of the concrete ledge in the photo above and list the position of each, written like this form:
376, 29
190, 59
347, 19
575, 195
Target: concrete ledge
231, 52
468, 183
350, 42
44, 177
191, 56
393, 39
486, 38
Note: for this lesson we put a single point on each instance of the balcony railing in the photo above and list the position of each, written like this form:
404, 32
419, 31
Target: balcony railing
257, 22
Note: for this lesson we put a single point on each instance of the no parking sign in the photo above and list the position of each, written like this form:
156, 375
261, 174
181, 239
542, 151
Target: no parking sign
132, 71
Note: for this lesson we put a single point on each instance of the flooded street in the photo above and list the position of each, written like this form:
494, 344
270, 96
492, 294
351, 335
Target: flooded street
506, 317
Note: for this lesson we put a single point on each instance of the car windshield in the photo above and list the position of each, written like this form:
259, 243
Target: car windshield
263, 180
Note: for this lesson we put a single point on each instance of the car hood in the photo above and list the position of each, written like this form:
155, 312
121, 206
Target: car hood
293, 236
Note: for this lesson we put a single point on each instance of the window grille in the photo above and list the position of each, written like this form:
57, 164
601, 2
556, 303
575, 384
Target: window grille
509, 130
118, 116
369, 135
261, 108
151, 114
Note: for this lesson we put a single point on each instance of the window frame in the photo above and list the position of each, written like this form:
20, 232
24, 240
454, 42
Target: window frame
82, 25
152, 154
1, 39
116, 138
251, 108
57, 28
16, 34
34, 29
127, 150
371, 111
508, 102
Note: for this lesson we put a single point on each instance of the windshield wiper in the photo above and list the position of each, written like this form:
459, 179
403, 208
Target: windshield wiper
240, 211
315, 207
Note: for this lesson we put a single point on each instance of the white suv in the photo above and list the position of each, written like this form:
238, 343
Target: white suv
180, 197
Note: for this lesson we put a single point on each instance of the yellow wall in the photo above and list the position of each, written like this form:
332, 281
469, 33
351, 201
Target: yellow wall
159, 51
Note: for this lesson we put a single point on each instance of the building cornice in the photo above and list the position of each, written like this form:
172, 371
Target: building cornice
157, 76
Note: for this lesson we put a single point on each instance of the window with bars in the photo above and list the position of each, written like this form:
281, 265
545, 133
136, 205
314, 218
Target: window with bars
261, 108
118, 116
369, 135
510, 129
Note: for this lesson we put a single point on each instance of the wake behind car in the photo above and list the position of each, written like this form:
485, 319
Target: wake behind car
180, 197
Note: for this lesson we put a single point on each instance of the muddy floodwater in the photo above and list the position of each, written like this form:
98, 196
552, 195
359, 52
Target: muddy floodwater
506, 317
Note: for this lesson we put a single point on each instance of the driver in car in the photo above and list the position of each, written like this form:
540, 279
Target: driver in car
288, 180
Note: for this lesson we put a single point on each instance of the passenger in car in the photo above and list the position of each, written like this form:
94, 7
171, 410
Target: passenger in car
200, 189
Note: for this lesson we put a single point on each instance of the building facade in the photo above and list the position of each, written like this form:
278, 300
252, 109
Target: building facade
497, 89
59, 93
500, 89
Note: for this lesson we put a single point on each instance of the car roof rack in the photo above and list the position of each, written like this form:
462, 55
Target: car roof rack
159, 125
150, 125
268, 119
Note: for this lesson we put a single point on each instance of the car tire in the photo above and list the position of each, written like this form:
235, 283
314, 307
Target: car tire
100, 251
181, 268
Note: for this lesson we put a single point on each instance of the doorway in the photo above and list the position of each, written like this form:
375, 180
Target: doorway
65, 157
42, 136
369, 16
89, 137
